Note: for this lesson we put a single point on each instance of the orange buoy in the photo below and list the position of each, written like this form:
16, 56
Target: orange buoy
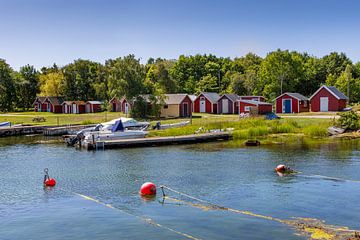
280, 168
148, 188
50, 182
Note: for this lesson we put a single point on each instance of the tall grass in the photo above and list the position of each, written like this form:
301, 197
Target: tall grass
253, 127
315, 131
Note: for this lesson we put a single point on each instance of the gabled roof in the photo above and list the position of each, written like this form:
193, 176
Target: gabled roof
114, 99
55, 100
192, 97
94, 102
232, 97
254, 102
39, 99
294, 95
175, 98
211, 96
333, 90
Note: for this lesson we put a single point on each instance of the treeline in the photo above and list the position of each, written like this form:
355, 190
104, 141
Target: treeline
280, 71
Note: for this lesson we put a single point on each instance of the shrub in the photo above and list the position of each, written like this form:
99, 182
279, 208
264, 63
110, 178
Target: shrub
349, 120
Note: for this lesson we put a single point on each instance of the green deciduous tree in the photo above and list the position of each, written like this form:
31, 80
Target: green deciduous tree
7, 88
125, 77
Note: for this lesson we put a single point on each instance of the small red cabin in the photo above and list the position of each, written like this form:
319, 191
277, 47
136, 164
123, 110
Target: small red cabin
247, 106
292, 103
228, 104
125, 105
74, 107
92, 106
253, 98
206, 102
38, 105
51, 104
115, 104
328, 98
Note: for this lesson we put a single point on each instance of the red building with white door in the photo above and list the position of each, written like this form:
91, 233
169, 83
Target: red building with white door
328, 98
206, 102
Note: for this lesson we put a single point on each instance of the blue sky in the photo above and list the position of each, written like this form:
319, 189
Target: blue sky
43, 32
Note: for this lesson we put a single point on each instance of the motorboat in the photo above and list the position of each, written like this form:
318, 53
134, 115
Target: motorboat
117, 132
5, 124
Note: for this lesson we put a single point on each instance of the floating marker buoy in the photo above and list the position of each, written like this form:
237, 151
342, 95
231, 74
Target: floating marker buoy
148, 188
49, 182
280, 168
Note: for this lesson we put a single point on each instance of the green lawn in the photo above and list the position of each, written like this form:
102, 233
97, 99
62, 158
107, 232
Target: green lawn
55, 119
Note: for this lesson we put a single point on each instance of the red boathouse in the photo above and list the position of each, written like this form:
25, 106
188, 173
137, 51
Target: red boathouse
292, 103
328, 98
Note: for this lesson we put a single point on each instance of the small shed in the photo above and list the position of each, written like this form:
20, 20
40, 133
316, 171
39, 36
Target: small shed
115, 104
292, 103
38, 104
328, 98
52, 104
253, 98
206, 102
74, 107
125, 105
247, 106
228, 104
177, 105
92, 106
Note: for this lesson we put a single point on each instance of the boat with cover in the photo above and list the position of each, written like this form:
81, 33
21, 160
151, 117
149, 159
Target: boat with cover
117, 132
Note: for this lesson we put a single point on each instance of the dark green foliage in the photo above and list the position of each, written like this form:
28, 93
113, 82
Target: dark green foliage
7, 88
349, 120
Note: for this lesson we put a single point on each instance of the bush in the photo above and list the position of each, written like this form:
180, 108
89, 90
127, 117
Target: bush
349, 120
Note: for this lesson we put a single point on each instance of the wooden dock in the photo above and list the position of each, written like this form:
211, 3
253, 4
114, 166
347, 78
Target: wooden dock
20, 130
63, 130
158, 141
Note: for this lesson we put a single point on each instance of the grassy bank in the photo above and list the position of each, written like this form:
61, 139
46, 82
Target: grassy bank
254, 127
243, 128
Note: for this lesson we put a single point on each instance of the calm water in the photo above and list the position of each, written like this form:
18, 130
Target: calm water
240, 178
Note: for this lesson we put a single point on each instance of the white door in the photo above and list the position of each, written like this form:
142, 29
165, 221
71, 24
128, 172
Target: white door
65, 108
324, 104
225, 106
74, 108
126, 108
202, 104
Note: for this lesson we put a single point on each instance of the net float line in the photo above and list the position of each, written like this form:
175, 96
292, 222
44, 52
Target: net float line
144, 219
310, 227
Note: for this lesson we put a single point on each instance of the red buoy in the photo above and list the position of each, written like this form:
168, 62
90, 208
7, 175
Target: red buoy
50, 182
148, 188
280, 168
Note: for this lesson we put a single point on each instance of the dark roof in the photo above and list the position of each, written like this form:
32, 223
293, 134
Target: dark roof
232, 97
297, 95
254, 102
40, 99
174, 98
56, 100
336, 92
211, 96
